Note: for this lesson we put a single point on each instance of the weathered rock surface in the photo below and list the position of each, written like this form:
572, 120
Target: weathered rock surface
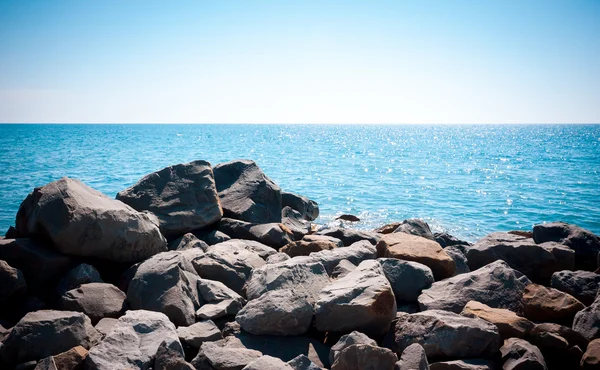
294, 221
46, 364
443, 333
350, 236
520, 354
12, 283
365, 357
587, 321
309, 209
413, 358
82, 274
81, 221
187, 241
133, 342
363, 300
415, 226
267, 363
170, 359
105, 325
585, 244
221, 356
342, 269
45, 333
470, 364
591, 357
547, 304
537, 261
246, 193
219, 300
306, 247
212, 237
355, 253
459, 258
96, 300
194, 335
447, 240
509, 324
418, 249
302, 362
408, 279
553, 337
496, 285
183, 197
347, 340
72, 359
273, 234
582, 285
166, 283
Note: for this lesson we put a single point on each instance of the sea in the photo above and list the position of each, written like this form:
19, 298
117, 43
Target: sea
468, 180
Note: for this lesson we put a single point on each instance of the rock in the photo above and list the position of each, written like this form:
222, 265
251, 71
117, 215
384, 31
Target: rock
547, 304
346, 341
45, 333
495, 285
408, 279
417, 249
193, 336
105, 325
356, 253
587, 321
277, 257
277, 312
591, 357
275, 235
166, 283
12, 283
555, 337
306, 247
350, 236
388, 228
415, 226
519, 354
82, 274
363, 300
81, 221
346, 217
582, 285
537, 261
306, 278
217, 355
212, 237
471, 364
294, 221
261, 249
96, 300
342, 269
459, 258
309, 209
170, 359
219, 300
72, 359
11, 233
267, 363
246, 193
31, 365
302, 362
46, 364
447, 240
509, 324
365, 357
183, 197
585, 244
188, 241
413, 358
133, 342
443, 333
323, 239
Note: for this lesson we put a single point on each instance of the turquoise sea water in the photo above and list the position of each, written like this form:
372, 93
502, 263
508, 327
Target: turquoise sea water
468, 180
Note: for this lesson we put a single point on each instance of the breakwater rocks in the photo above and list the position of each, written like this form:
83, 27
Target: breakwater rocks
202, 267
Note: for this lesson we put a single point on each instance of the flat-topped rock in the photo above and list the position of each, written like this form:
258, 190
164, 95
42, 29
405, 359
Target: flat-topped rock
582, 285
306, 247
509, 324
355, 253
546, 304
364, 357
273, 234
96, 300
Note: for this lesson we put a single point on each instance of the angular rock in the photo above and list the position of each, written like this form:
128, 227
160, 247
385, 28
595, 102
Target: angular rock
105, 325
212, 237
81, 221
413, 358
275, 235
302, 362
305, 248
582, 285
294, 221
350, 236
166, 283
96, 300
587, 321
342, 269
219, 300
12, 283
277, 257
547, 304
170, 359
356, 253
347, 340
459, 258
267, 363
585, 244
72, 359
443, 333
246, 193
365, 357
217, 355
408, 279
388, 228
537, 261
417, 249
555, 337
496, 285
309, 209
194, 335
187, 241
520, 354
133, 342
471, 364
415, 226
447, 240
82, 274
261, 249
591, 357
509, 324
45, 333
363, 300
46, 364
277, 312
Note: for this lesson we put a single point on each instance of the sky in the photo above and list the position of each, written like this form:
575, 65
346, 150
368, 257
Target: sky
322, 61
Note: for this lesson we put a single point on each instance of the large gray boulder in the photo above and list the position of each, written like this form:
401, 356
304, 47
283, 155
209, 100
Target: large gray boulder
81, 221
355, 253
12, 283
350, 236
246, 193
347, 340
415, 226
496, 285
133, 342
183, 197
273, 234
363, 300
459, 258
46, 333
446, 334
585, 244
364, 357
587, 321
82, 274
537, 261
519, 354
166, 283
309, 209
224, 355
194, 335
413, 358
96, 300
408, 279
582, 285
170, 359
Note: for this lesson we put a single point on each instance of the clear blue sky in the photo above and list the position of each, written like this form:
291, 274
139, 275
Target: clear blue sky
477, 61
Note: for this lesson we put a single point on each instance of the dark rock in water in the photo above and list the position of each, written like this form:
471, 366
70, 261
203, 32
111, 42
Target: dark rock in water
170, 359
447, 240
415, 226
509, 324
346, 341
12, 283
275, 235
81, 221
459, 258
519, 354
45, 333
212, 237
183, 197
194, 335
349, 236
267, 363
306, 247
496, 285
350, 218
585, 244
309, 209
408, 279
293, 220
302, 362
355, 253
582, 285
413, 358
82, 274
546, 304
537, 261
591, 357
470, 364
246, 193
96, 300
587, 321
365, 357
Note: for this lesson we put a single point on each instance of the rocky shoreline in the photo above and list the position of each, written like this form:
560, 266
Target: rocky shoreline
202, 267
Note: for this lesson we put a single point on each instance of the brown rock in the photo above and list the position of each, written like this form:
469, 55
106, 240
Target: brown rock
388, 229
306, 247
418, 249
509, 323
72, 359
547, 304
591, 357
